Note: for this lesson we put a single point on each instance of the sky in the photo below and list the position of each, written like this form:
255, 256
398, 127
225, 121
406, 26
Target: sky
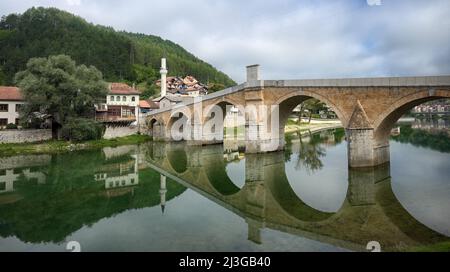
290, 39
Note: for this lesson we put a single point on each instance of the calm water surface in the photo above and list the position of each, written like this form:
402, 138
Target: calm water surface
173, 197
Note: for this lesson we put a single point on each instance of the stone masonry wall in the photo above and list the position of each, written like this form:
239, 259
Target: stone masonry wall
25, 136
120, 131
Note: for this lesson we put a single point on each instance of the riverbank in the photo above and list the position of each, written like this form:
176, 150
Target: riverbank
314, 126
65, 146
53, 146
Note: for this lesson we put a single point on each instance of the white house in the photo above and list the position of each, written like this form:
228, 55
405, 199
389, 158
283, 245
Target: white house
122, 104
10, 103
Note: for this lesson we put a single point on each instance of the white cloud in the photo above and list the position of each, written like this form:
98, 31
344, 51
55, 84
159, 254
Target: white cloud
73, 2
289, 38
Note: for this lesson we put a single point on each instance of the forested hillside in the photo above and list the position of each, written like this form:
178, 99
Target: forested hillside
121, 56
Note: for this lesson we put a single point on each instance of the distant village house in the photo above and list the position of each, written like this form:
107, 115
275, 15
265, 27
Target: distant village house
10, 102
188, 86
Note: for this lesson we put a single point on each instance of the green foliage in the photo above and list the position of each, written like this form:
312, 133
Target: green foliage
149, 91
214, 87
145, 74
311, 109
70, 197
11, 126
57, 87
80, 129
40, 32
439, 141
2, 76
55, 147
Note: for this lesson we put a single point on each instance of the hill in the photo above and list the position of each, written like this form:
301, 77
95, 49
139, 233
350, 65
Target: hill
121, 56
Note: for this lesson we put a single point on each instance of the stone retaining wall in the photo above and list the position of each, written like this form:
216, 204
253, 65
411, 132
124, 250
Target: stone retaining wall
119, 131
25, 136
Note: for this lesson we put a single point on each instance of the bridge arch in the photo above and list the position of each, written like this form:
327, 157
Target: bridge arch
214, 166
386, 121
216, 131
284, 195
179, 125
177, 158
291, 100
156, 128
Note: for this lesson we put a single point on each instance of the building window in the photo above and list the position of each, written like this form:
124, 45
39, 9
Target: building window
124, 98
17, 121
18, 107
4, 107
133, 98
128, 112
3, 122
114, 111
3, 186
118, 98
112, 98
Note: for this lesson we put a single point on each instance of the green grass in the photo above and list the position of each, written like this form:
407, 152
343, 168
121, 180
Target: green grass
54, 146
439, 247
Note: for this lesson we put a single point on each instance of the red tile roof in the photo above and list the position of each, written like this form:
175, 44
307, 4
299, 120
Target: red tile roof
122, 88
148, 104
144, 104
10, 94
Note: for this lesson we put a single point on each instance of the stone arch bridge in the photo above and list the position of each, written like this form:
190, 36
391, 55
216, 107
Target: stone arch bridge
368, 108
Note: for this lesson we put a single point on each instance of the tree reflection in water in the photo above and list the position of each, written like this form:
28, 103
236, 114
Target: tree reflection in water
312, 147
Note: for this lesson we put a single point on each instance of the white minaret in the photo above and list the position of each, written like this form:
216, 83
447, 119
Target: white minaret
162, 192
163, 72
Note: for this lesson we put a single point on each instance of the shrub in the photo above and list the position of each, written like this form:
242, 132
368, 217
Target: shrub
81, 129
11, 126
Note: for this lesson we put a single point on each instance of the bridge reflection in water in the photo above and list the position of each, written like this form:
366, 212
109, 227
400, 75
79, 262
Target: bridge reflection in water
370, 211
51, 198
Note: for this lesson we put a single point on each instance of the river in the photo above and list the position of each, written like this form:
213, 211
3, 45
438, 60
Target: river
174, 197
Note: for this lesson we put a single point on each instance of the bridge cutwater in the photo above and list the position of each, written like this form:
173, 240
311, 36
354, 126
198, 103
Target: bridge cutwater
368, 108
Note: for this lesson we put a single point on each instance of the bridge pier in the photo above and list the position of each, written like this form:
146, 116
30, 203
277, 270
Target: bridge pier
259, 140
158, 132
363, 150
361, 189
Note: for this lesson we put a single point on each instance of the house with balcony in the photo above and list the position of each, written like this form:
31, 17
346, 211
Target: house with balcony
121, 104
10, 102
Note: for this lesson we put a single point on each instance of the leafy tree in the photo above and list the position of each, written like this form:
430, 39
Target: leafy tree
56, 87
81, 129
438, 140
311, 106
2, 77
150, 91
